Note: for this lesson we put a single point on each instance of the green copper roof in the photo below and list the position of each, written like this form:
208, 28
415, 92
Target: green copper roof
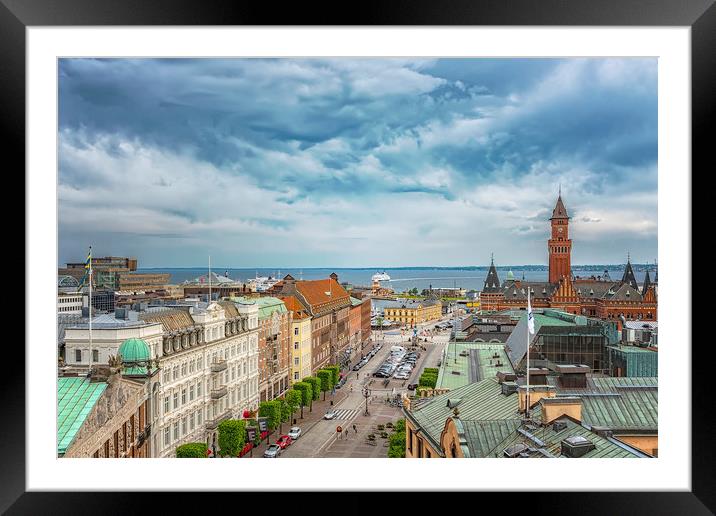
481, 400
474, 361
355, 301
134, 350
267, 305
552, 441
75, 399
640, 362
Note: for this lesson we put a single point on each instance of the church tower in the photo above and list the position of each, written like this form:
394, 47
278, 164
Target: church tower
559, 245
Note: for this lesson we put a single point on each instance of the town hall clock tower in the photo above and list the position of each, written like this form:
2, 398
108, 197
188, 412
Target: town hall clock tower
559, 245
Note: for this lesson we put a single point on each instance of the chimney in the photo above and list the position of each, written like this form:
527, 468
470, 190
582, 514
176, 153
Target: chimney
538, 375
334, 276
576, 446
572, 375
555, 408
537, 393
503, 377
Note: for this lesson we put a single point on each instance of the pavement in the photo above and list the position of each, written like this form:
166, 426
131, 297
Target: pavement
319, 437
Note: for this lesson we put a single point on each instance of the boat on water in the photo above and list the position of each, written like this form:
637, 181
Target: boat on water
380, 276
262, 283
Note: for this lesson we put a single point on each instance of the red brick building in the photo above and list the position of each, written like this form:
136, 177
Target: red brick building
595, 296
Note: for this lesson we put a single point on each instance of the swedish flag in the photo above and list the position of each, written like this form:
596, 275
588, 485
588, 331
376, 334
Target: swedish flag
88, 266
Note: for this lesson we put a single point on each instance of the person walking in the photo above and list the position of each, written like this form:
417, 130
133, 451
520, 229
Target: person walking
355, 429
346, 433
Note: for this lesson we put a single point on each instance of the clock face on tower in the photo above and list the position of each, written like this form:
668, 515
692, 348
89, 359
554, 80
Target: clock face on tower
560, 229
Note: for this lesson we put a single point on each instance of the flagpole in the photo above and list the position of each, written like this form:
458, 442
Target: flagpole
210, 279
90, 311
529, 314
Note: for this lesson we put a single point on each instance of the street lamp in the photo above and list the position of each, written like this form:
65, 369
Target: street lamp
366, 395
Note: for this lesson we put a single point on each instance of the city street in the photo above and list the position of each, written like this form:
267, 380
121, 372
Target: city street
320, 438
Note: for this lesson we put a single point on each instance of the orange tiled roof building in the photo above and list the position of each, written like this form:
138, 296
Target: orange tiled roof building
595, 297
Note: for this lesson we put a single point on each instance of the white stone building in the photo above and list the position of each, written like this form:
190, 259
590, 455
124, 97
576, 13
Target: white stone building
70, 303
208, 365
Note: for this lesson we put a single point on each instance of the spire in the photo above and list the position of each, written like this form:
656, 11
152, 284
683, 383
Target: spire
492, 281
559, 212
647, 283
628, 276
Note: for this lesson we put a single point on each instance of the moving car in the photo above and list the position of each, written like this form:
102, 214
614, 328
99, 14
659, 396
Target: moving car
284, 441
294, 433
272, 451
329, 415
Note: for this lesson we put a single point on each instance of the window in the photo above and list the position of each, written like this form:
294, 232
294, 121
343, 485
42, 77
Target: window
183, 396
295, 361
175, 373
191, 367
191, 422
295, 331
183, 369
95, 355
199, 363
198, 388
191, 393
199, 415
166, 404
183, 426
176, 430
176, 400
295, 345
295, 375
78, 355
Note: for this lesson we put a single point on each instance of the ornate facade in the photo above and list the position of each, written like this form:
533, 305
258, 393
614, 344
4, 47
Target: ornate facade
598, 297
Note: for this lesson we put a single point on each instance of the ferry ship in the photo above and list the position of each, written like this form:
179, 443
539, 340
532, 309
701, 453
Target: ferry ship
262, 283
380, 276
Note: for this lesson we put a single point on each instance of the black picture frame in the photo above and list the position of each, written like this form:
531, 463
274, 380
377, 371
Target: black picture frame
700, 15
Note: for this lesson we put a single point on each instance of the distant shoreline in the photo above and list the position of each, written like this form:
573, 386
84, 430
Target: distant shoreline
598, 267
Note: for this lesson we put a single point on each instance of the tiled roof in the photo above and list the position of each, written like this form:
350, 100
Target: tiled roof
229, 309
75, 399
492, 281
172, 319
295, 307
517, 290
323, 294
559, 212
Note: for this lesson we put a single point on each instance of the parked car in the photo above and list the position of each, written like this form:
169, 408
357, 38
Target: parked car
357, 366
412, 386
294, 433
284, 441
329, 415
272, 451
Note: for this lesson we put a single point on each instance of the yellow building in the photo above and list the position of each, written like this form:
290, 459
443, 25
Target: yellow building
412, 313
300, 339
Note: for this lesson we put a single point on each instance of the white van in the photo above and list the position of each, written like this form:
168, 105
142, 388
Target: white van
397, 348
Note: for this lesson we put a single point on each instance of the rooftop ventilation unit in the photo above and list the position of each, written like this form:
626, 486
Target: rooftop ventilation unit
518, 450
559, 425
509, 388
576, 446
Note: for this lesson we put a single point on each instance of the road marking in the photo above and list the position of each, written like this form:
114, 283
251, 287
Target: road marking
345, 414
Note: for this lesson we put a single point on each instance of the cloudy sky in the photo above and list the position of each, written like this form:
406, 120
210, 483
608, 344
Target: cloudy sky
355, 162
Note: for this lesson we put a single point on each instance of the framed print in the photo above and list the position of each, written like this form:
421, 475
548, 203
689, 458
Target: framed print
432, 232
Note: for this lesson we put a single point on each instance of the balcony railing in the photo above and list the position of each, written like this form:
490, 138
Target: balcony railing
218, 366
211, 424
218, 393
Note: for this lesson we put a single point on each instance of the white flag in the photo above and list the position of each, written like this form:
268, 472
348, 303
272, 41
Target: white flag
530, 316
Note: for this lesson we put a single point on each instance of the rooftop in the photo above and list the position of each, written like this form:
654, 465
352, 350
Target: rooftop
75, 399
473, 361
267, 305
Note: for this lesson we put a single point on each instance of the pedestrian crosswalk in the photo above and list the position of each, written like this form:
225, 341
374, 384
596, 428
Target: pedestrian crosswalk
345, 414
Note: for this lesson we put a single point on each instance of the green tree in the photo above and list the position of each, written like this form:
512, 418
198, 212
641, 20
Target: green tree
192, 451
326, 378
293, 399
306, 391
285, 412
396, 446
336, 370
232, 437
315, 387
271, 410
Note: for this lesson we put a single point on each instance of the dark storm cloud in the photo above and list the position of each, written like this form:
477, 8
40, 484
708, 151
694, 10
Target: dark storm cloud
253, 151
